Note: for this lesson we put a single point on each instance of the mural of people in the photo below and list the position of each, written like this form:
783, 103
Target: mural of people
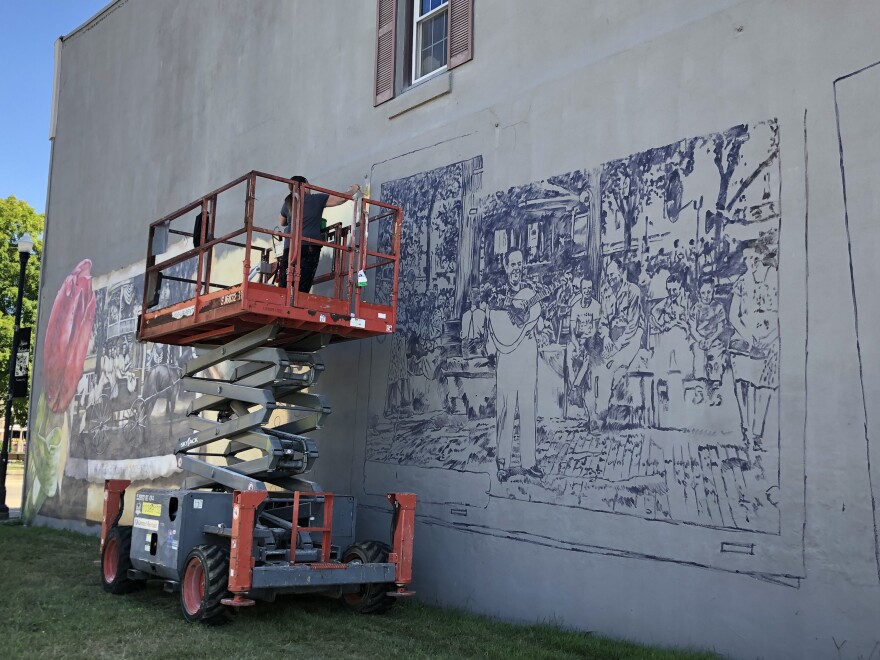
754, 350
584, 346
632, 339
669, 328
621, 329
474, 326
513, 329
706, 324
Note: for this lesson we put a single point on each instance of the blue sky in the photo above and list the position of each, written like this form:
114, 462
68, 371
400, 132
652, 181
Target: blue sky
28, 30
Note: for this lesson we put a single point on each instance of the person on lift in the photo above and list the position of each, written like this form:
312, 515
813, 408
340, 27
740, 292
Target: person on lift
314, 204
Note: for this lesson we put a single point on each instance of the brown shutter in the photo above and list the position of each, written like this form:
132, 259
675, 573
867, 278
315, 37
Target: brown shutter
461, 32
386, 20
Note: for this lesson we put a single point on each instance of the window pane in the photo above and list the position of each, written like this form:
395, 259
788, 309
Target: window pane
432, 44
440, 54
430, 5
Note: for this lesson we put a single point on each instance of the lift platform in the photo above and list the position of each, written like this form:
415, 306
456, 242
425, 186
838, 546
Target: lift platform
247, 523
225, 286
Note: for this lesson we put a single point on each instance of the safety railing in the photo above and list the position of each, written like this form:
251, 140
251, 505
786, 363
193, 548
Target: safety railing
212, 249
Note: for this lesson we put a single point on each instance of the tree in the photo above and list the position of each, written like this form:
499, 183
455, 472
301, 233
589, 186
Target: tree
727, 147
631, 182
16, 218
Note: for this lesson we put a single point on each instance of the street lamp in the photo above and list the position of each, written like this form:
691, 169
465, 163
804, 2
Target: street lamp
25, 245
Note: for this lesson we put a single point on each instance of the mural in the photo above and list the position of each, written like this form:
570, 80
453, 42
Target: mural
605, 339
110, 407
69, 334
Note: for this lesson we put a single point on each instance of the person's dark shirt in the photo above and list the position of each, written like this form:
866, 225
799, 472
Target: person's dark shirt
313, 208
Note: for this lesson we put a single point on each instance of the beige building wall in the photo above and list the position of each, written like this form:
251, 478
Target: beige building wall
675, 443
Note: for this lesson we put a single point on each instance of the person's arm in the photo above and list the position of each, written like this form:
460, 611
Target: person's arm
334, 200
717, 325
657, 318
681, 320
630, 318
574, 323
693, 326
282, 217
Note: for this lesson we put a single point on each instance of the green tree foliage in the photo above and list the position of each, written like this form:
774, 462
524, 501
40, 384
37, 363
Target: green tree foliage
16, 218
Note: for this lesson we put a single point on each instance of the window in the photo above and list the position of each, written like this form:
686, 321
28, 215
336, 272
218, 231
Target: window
430, 37
416, 39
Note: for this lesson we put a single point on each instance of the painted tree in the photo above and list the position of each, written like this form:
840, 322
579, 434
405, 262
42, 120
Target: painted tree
630, 183
16, 218
431, 203
727, 149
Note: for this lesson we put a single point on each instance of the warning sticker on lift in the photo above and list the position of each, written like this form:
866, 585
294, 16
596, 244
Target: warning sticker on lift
151, 509
147, 523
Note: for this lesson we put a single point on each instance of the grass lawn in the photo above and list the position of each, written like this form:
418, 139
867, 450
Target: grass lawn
54, 607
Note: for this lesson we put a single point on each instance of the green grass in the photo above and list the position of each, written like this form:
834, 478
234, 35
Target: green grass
54, 607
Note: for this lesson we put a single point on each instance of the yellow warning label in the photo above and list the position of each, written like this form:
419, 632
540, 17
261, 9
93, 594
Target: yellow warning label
151, 509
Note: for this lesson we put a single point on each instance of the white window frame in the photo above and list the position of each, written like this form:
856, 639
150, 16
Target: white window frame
444, 7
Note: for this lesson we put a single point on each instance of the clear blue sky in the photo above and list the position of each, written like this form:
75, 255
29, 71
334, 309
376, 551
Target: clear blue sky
28, 30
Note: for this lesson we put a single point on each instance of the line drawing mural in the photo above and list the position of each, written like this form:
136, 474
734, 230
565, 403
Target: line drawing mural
857, 134
606, 339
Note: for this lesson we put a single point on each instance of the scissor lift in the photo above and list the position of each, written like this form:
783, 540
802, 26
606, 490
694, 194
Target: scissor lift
248, 524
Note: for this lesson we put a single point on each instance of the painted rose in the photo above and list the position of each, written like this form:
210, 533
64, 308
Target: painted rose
67, 337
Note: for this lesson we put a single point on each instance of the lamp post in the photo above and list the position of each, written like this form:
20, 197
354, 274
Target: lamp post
25, 244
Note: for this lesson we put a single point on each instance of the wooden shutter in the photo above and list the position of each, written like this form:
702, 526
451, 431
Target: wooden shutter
461, 32
386, 21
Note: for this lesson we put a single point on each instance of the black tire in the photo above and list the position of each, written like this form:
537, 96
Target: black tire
204, 582
115, 562
370, 598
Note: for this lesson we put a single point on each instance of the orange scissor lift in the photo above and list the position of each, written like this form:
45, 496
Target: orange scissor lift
248, 524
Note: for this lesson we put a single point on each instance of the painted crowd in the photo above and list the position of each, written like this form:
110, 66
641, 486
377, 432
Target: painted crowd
630, 308
606, 338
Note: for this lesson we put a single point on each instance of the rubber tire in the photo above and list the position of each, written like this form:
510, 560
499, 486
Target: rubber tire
213, 563
118, 543
372, 598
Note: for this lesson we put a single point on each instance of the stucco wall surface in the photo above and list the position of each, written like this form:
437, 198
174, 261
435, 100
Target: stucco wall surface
634, 379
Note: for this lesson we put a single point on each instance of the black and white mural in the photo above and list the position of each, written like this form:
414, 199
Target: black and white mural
606, 339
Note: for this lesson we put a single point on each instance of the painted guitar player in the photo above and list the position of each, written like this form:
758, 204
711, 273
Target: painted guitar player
513, 328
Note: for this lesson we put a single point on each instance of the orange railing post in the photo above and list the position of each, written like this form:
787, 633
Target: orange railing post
241, 560
404, 521
114, 492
